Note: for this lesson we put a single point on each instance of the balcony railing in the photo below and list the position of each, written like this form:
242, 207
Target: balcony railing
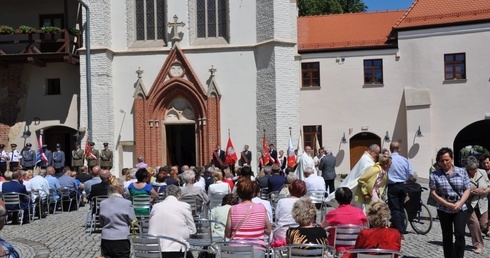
39, 47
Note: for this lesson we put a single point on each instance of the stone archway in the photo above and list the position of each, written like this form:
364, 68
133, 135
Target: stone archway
179, 133
473, 134
63, 135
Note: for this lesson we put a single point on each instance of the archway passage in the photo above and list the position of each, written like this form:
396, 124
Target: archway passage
62, 135
181, 144
473, 134
359, 143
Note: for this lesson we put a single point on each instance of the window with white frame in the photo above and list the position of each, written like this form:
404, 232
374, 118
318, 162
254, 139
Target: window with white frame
211, 18
150, 20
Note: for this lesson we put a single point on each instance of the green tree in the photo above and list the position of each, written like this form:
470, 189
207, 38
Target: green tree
319, 7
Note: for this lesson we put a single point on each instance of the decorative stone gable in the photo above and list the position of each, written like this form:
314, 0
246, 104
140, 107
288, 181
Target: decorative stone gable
176, 81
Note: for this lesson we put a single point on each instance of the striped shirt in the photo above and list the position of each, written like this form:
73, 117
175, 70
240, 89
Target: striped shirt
252, 229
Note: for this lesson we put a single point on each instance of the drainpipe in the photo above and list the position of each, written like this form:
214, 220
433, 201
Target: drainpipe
88, 70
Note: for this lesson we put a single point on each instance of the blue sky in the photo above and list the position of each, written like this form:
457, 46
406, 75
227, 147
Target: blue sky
382, 5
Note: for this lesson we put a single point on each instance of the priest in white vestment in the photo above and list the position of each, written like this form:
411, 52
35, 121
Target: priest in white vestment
367, 160
304, 161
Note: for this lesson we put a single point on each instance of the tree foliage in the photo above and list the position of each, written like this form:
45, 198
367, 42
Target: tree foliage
319, 7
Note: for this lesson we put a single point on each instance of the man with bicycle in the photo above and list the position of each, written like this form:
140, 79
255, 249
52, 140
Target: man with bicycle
399, 173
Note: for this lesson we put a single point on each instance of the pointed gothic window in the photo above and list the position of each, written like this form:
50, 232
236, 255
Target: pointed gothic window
211, 18
150, 20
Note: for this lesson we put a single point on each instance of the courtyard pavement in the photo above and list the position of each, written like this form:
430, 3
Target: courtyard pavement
64, 235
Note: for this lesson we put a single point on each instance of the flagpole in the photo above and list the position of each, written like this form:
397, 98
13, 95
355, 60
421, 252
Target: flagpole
290, 134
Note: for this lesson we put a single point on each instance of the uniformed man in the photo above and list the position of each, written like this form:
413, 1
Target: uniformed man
49, 157
28, 157
106, 157
77, 156
3, 159
93, 159
58, 160
14, 157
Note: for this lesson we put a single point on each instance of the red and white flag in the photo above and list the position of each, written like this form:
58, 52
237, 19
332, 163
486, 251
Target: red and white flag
291, 156
230, 157
88, 149
41, 155
265, 151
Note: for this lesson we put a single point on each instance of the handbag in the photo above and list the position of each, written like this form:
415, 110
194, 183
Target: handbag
469, 208
241, 223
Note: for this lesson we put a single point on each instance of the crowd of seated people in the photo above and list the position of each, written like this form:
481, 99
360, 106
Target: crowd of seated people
246, 216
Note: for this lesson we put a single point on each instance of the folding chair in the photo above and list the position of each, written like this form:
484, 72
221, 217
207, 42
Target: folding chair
241, 249
161, 197
148, 246
51, 200
309, 250
95, 207
195, 203
344, 235
42, 204
215, 200
203, 239
264, 193
374, 253
274, 198
280, 251
13, 203
141, 202
318, 197
141, 225
68, 196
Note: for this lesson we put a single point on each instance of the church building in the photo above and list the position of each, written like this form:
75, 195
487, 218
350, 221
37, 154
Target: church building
169, 80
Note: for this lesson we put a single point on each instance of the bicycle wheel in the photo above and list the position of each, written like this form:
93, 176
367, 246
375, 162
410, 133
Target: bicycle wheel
422, 223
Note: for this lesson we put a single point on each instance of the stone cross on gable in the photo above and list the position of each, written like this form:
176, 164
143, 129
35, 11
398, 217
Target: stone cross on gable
175, 27
139, 72
213, 70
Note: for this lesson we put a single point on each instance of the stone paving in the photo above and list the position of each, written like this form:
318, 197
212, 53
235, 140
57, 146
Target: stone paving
64, 235
59, 235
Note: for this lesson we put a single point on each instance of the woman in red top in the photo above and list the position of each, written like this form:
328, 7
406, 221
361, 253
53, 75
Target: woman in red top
379, 235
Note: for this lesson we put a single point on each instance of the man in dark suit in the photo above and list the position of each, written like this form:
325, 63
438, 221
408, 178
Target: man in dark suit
245, 157
102, 188
15, 186
218, 157
327, 166
276, 181
272, 154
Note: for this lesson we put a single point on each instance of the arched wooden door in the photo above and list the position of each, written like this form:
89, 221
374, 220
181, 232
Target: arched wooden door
360, 143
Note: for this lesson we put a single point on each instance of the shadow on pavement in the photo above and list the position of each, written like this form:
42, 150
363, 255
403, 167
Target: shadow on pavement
439, 243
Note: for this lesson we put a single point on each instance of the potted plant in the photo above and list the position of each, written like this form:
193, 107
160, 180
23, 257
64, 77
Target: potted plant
26, 29
75, 31
6, 29
50, 29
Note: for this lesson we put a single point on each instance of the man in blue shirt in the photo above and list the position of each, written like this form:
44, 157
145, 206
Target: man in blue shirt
399, 173
54, 185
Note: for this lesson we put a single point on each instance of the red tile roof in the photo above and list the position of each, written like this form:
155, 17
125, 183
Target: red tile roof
438, 12
346, 30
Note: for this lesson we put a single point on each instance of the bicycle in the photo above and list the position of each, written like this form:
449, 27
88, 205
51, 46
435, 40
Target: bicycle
421, 223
